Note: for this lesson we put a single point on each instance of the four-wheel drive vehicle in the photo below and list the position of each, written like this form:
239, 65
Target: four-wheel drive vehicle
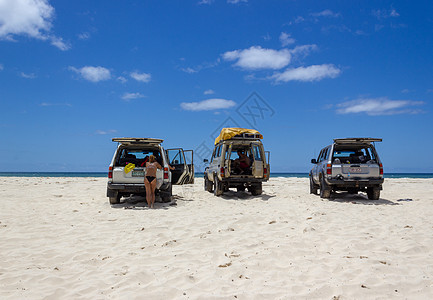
350, 164
127, 168
227, 171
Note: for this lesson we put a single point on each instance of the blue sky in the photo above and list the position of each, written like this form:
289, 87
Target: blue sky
74, 74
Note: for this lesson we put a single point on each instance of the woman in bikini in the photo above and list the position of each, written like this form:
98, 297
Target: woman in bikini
150, 180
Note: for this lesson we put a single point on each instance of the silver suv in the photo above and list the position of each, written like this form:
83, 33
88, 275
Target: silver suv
223, 171
127, 168
350, 164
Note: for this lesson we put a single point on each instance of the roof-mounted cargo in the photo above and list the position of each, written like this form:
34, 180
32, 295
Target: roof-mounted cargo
356, 140
130, 141
238, 133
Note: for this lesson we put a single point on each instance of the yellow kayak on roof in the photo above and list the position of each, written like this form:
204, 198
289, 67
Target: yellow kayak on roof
228, 133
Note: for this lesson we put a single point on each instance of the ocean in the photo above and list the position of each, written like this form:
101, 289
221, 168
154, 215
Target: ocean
104, 174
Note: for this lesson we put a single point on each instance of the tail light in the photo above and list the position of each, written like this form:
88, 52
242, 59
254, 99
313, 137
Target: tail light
381, 169
165, 173
110, 172
222, 172
265, 171
328, 169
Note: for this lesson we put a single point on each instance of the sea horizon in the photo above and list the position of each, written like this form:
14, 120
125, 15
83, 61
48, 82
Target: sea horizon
197, 174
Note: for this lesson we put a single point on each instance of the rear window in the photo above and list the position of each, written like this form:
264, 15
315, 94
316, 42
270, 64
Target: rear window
139, 157
354, 155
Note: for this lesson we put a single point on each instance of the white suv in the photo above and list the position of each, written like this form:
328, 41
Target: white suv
127, 168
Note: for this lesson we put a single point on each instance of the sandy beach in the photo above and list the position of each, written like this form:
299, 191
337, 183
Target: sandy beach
60, 239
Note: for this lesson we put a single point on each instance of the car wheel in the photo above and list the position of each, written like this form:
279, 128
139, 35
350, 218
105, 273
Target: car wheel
207, 184
313, 187
325, 190
240, 188
218, 189
115, 200
373, 194
256, 189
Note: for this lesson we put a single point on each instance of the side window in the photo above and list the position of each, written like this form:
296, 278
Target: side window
325, 156
319, 158
256, 152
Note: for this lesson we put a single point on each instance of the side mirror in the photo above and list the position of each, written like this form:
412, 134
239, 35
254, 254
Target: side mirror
205, 160
314, 161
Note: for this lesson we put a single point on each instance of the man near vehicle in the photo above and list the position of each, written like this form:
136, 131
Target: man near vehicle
242, 163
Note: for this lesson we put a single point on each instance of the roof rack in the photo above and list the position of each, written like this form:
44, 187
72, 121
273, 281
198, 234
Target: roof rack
125, 140
356, 140
247, 136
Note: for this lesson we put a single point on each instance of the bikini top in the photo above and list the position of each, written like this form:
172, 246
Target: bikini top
151, 166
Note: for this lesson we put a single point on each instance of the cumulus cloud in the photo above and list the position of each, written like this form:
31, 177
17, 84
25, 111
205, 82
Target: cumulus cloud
210, 104
326, 13
236, 1
46, 104
385, 13
209, 92
93, 74
256, 57
32, 18
142, 77
311, 73
105, 132
379, 106
130, 96
303, 50
286, 39
28, 75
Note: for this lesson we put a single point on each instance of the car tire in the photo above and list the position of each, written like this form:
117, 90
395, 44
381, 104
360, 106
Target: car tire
207, 184
373, 193
115, 199
313, 186
240, 188
325, 190
218, 189
256, 189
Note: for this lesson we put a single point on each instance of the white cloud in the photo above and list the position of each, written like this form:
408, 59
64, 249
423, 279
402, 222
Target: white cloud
311, 73
25, 17
385, 13
303, 50
326, 13
205, 2
379, 106
236, 1
257, 57
28, 76
122, 79
32, 18
285, 39
143, 77
55, 104
93, 74
209, 92
84, 36
210, 104
59, 43
130, 96
1, 67
105, 132
189, 70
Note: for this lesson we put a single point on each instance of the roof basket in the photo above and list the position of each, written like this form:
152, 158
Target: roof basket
356, 140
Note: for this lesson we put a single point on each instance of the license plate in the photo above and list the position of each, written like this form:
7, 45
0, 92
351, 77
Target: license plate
355, 170
137, 173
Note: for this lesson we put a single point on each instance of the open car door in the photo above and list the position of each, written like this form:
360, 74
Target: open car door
183, 172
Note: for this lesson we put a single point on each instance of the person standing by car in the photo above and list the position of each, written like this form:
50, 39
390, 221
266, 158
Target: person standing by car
150, 180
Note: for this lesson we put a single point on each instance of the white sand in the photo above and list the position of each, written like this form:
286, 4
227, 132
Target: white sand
60, 239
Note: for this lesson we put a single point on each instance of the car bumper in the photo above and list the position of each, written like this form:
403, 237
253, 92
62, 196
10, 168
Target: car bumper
243, 180
347, 183
138, 188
